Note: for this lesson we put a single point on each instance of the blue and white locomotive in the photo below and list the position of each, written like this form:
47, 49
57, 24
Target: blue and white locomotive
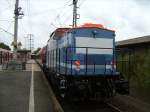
81, 61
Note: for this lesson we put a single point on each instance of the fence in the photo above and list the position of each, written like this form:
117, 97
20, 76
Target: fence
5, 57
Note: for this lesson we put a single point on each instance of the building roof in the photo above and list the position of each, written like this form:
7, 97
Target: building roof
138, 40
4, 50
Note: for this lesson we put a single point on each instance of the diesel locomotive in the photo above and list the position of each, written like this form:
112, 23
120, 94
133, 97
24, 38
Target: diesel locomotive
81, 62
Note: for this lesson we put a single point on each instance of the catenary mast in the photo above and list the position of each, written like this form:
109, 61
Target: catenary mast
74, 13
17, 13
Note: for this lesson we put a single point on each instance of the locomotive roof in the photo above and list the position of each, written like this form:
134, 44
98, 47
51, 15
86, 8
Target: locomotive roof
90, 25
59, 32
86, 25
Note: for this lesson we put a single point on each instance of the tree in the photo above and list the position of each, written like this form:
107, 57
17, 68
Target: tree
4, 46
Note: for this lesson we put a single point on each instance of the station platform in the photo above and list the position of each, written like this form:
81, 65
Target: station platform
24, 91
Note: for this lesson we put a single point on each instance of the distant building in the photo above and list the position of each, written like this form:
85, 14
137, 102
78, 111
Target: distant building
23, 55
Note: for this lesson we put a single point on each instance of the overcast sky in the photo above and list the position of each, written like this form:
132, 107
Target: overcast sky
129, 18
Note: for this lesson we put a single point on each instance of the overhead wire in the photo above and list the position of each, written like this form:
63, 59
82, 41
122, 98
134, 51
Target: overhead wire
9, 26
61, 13
5, 7
9, 4
81, 3
7, 39
6, 35
65, 15
27, 15
70, 14
51, 9
67, 18
23, 28
6, 20
9, 7
7, 31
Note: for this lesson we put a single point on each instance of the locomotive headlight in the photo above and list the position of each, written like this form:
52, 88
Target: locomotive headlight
113, 63
77, 65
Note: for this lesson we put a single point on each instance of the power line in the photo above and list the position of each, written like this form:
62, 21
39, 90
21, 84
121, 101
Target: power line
61, 13
6, 21
31, 41
82, 3
54, 25
24, 30
6, 31
9, 26
67, 18
6, 40
28, 6
10, 6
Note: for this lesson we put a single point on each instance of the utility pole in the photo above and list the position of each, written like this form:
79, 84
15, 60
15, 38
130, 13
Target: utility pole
17, 13
30, 41
75, 13
16, 63
25, 38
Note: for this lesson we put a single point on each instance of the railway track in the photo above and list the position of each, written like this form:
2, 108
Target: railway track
85, 106
114, 107
89, 106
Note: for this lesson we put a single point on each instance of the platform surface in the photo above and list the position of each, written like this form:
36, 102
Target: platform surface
19, 93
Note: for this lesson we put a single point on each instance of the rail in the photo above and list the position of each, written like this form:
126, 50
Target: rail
114, 107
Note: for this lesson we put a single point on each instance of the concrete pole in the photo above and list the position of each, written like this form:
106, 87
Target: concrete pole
16, 12
75, 13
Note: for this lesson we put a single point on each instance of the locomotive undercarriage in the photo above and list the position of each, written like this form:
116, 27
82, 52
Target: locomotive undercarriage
87, 87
